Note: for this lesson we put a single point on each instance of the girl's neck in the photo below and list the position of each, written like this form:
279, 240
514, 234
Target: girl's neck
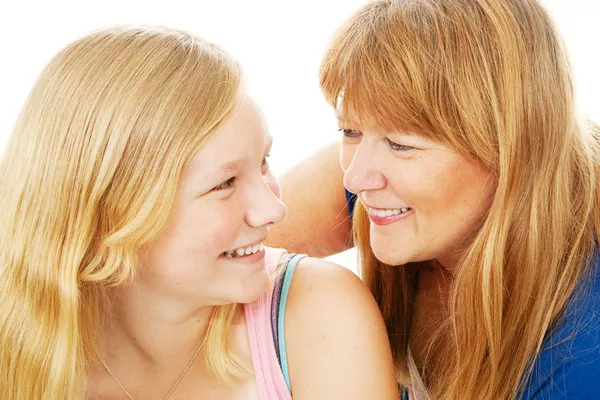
152, 329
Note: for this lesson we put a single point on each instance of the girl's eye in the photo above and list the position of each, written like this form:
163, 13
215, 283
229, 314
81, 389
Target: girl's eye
265, 163
397, 147
350, 133
225, 185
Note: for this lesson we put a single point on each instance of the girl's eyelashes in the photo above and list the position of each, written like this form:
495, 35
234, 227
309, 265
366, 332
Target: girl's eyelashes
265, 161
228, 184
397, 147
350, 133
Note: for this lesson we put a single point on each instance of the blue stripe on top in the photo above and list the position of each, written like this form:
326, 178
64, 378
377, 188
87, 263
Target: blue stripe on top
280, 295
289, 274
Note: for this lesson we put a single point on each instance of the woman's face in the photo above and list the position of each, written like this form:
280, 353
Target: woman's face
212, 248
424, 199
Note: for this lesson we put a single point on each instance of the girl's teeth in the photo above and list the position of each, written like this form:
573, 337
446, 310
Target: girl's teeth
245, 251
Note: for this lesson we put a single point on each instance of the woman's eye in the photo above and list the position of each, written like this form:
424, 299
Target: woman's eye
225, 185
351, 133
397, 147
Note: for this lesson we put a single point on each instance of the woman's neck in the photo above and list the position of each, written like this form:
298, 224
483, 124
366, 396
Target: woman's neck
429, 335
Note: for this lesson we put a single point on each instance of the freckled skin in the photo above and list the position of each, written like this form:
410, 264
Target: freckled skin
184, 261
447, 192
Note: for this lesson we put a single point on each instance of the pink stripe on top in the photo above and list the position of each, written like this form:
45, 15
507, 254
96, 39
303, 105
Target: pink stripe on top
269, 378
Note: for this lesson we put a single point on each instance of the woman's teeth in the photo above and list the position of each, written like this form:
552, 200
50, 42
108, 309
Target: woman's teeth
244, 251
388, 212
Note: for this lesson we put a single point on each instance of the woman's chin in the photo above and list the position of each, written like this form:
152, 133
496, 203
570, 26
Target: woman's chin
392, 256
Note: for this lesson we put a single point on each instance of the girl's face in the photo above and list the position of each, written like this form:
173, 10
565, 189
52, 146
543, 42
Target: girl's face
212, 248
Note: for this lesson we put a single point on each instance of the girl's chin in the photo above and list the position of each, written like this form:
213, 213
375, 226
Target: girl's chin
252, 289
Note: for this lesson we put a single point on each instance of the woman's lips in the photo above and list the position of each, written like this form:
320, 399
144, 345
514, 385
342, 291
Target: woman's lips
387, 216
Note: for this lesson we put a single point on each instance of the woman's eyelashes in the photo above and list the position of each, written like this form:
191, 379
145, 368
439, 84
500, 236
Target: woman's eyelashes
397, 147
351, 133
356, 134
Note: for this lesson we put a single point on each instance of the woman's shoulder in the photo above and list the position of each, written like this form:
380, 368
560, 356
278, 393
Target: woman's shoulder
569, 361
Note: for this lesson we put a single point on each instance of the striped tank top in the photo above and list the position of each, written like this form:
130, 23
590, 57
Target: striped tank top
266, 331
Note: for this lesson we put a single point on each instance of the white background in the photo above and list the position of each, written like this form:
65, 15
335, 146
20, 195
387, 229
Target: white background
278, 42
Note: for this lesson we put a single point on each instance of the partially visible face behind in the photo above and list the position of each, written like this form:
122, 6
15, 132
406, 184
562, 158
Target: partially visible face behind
226, 201
424, 199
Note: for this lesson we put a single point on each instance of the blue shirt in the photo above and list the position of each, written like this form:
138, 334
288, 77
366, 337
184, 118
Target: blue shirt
351, 201
568, 366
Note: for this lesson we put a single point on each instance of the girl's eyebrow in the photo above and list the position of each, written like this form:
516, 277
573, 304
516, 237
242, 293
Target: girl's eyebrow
269, 145
231, 166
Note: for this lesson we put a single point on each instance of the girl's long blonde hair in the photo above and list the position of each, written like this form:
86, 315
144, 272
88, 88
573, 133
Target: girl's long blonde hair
89, 176
491, 79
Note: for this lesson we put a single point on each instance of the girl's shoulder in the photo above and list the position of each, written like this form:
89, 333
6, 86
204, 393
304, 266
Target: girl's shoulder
318, 332
337, 344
